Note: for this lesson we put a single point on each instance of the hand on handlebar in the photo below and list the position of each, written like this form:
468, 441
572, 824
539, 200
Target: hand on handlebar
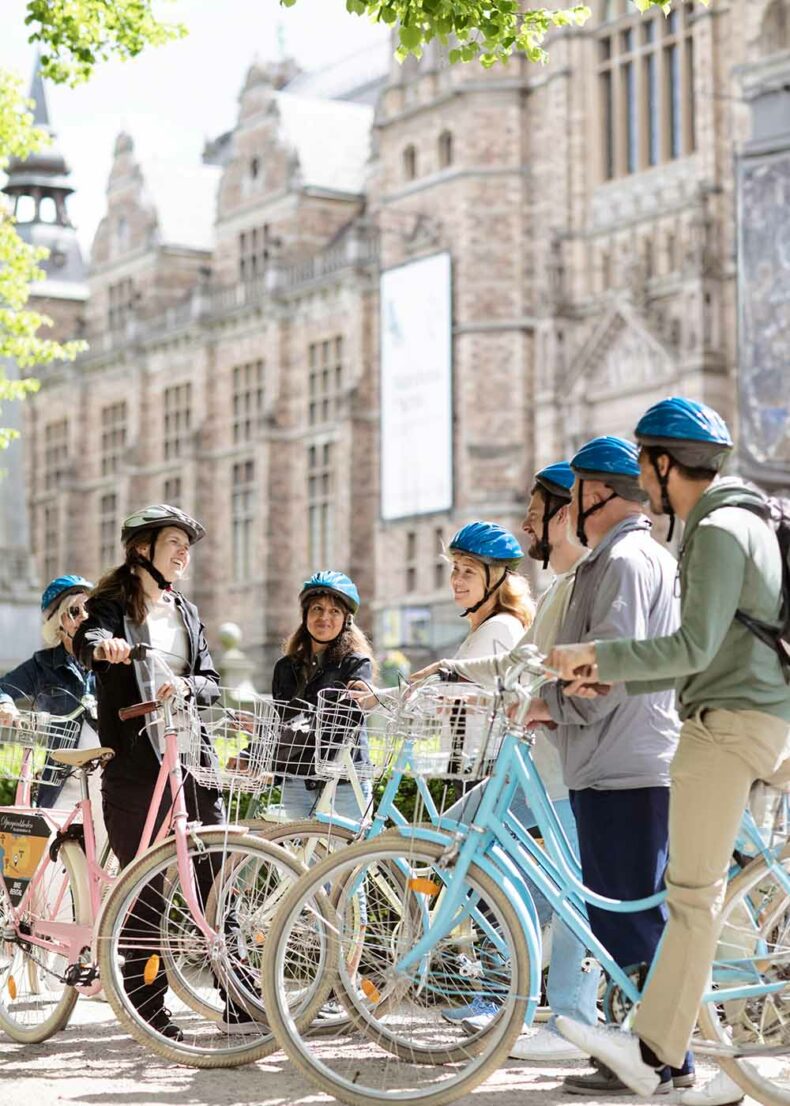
573, 661
175, 688
114, 650
362, 694
9, 715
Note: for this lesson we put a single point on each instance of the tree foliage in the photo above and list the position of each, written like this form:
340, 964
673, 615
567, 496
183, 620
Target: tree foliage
488, 31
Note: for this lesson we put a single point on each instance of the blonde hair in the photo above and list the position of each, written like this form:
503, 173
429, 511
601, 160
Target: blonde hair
52, 628
513, 596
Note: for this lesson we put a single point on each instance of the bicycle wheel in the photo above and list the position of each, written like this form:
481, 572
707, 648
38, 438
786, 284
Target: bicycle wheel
754, 949
35, 1000
408, 1053
147, 920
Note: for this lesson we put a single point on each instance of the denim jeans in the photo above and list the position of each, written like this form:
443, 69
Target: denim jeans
298, 802
572, 987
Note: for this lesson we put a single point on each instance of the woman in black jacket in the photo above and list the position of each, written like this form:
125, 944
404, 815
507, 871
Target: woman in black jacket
327, 650
136, 603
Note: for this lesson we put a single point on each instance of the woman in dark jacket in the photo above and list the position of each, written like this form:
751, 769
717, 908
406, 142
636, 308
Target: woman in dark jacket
52, 679
327, 650
136, 603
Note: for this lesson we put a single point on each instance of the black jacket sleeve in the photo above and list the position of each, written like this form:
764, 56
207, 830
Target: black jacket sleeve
22, 682
104, 621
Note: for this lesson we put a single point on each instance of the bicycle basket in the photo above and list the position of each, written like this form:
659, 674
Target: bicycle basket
24, 746
349, 739
232, 746
457, 730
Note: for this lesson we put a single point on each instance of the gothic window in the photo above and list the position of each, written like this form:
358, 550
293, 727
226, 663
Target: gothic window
410, 163
254, 247
775, 28
243, 513
445, 150
255, 168
121, 299
172, 491
51, 541
646, 89
177, 419
108, 529
247, 400
324, 379
113, 437
320, 481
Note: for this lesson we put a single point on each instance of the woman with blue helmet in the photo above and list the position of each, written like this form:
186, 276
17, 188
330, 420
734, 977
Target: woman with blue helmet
52, 679
326, 650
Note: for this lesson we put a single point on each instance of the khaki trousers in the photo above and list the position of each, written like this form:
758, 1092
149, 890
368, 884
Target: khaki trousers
720, 755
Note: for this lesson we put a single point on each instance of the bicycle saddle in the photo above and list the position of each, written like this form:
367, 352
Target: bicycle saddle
78, 758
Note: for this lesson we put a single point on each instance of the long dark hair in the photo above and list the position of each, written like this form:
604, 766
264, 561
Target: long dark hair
351, 640
123, 585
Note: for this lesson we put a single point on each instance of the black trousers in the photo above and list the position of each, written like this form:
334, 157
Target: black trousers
125, 812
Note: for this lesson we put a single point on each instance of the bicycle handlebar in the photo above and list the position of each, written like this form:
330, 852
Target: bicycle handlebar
137, 710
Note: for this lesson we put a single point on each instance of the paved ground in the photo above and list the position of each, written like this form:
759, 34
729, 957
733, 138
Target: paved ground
92, 1062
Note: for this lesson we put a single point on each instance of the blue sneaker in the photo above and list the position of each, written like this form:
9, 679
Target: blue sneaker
476, 1008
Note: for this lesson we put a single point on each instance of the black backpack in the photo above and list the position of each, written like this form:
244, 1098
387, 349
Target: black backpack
776, 513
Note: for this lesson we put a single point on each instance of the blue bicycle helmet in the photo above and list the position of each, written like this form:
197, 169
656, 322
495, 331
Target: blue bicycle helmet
556, 484
329, 582
60, 587
688, 433
615, 462
487, 541
491, 544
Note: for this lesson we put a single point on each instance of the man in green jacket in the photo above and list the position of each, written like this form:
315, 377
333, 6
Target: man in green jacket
733, 701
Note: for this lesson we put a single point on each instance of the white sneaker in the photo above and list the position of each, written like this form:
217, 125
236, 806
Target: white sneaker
720, 1091
618, 1050
543, 1045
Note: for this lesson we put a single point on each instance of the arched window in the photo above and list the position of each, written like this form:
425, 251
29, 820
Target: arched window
25, 209
775, 27
410, 163
445, 149
47, 210
255, 168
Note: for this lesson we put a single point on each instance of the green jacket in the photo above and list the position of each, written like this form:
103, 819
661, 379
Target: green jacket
730, 560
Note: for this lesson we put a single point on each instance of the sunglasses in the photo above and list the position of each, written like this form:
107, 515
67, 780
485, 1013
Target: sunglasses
77, 611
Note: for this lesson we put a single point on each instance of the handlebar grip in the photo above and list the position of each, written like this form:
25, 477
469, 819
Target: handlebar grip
138, 651
138, 710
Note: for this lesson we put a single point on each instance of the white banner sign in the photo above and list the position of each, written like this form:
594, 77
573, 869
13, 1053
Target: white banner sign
416, 388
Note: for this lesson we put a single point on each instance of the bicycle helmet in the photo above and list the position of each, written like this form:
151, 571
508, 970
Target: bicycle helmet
155, 518
58, 588
615, 462
556, 484
491, 544
328, 582
689, 433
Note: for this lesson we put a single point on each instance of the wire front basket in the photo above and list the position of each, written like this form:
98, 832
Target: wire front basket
347, 739
24, 746
231, 744
456, 728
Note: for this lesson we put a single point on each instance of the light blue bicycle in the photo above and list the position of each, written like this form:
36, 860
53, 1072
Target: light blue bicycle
395, 972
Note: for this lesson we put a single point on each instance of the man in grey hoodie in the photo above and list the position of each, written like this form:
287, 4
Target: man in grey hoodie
734, 703
616, 750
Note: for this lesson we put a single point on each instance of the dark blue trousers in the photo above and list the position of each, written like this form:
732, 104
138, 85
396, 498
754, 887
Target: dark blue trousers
623, 849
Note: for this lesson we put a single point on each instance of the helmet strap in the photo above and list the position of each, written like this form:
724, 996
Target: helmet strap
663, 481
544, 547
148, 564
582, 517
489, 591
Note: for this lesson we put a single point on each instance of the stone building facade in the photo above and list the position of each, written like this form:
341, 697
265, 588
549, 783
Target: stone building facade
589, 208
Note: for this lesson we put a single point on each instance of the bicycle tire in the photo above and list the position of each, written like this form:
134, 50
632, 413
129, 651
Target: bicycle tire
72, 894
304, 1051
756, 913
205, 1044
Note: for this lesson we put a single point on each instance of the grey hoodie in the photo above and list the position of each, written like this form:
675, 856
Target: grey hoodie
625, 587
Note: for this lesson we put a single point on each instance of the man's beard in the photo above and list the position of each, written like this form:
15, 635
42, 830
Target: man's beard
535, 550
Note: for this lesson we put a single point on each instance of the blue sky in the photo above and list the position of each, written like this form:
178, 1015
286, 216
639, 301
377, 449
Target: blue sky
174, 97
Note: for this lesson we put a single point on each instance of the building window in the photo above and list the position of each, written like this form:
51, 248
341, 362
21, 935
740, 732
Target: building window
440, 564
445, 150
242, 514
255, 168
172, 492
775, 28
410, 163
121, 303
108, 529
247, 400
411, 560
319, 505
51, 541
178, 419
325, 380
56, 453
646, 89
254, 251
113, 437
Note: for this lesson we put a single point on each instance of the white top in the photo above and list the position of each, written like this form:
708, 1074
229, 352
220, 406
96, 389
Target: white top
166, 631
497, 634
